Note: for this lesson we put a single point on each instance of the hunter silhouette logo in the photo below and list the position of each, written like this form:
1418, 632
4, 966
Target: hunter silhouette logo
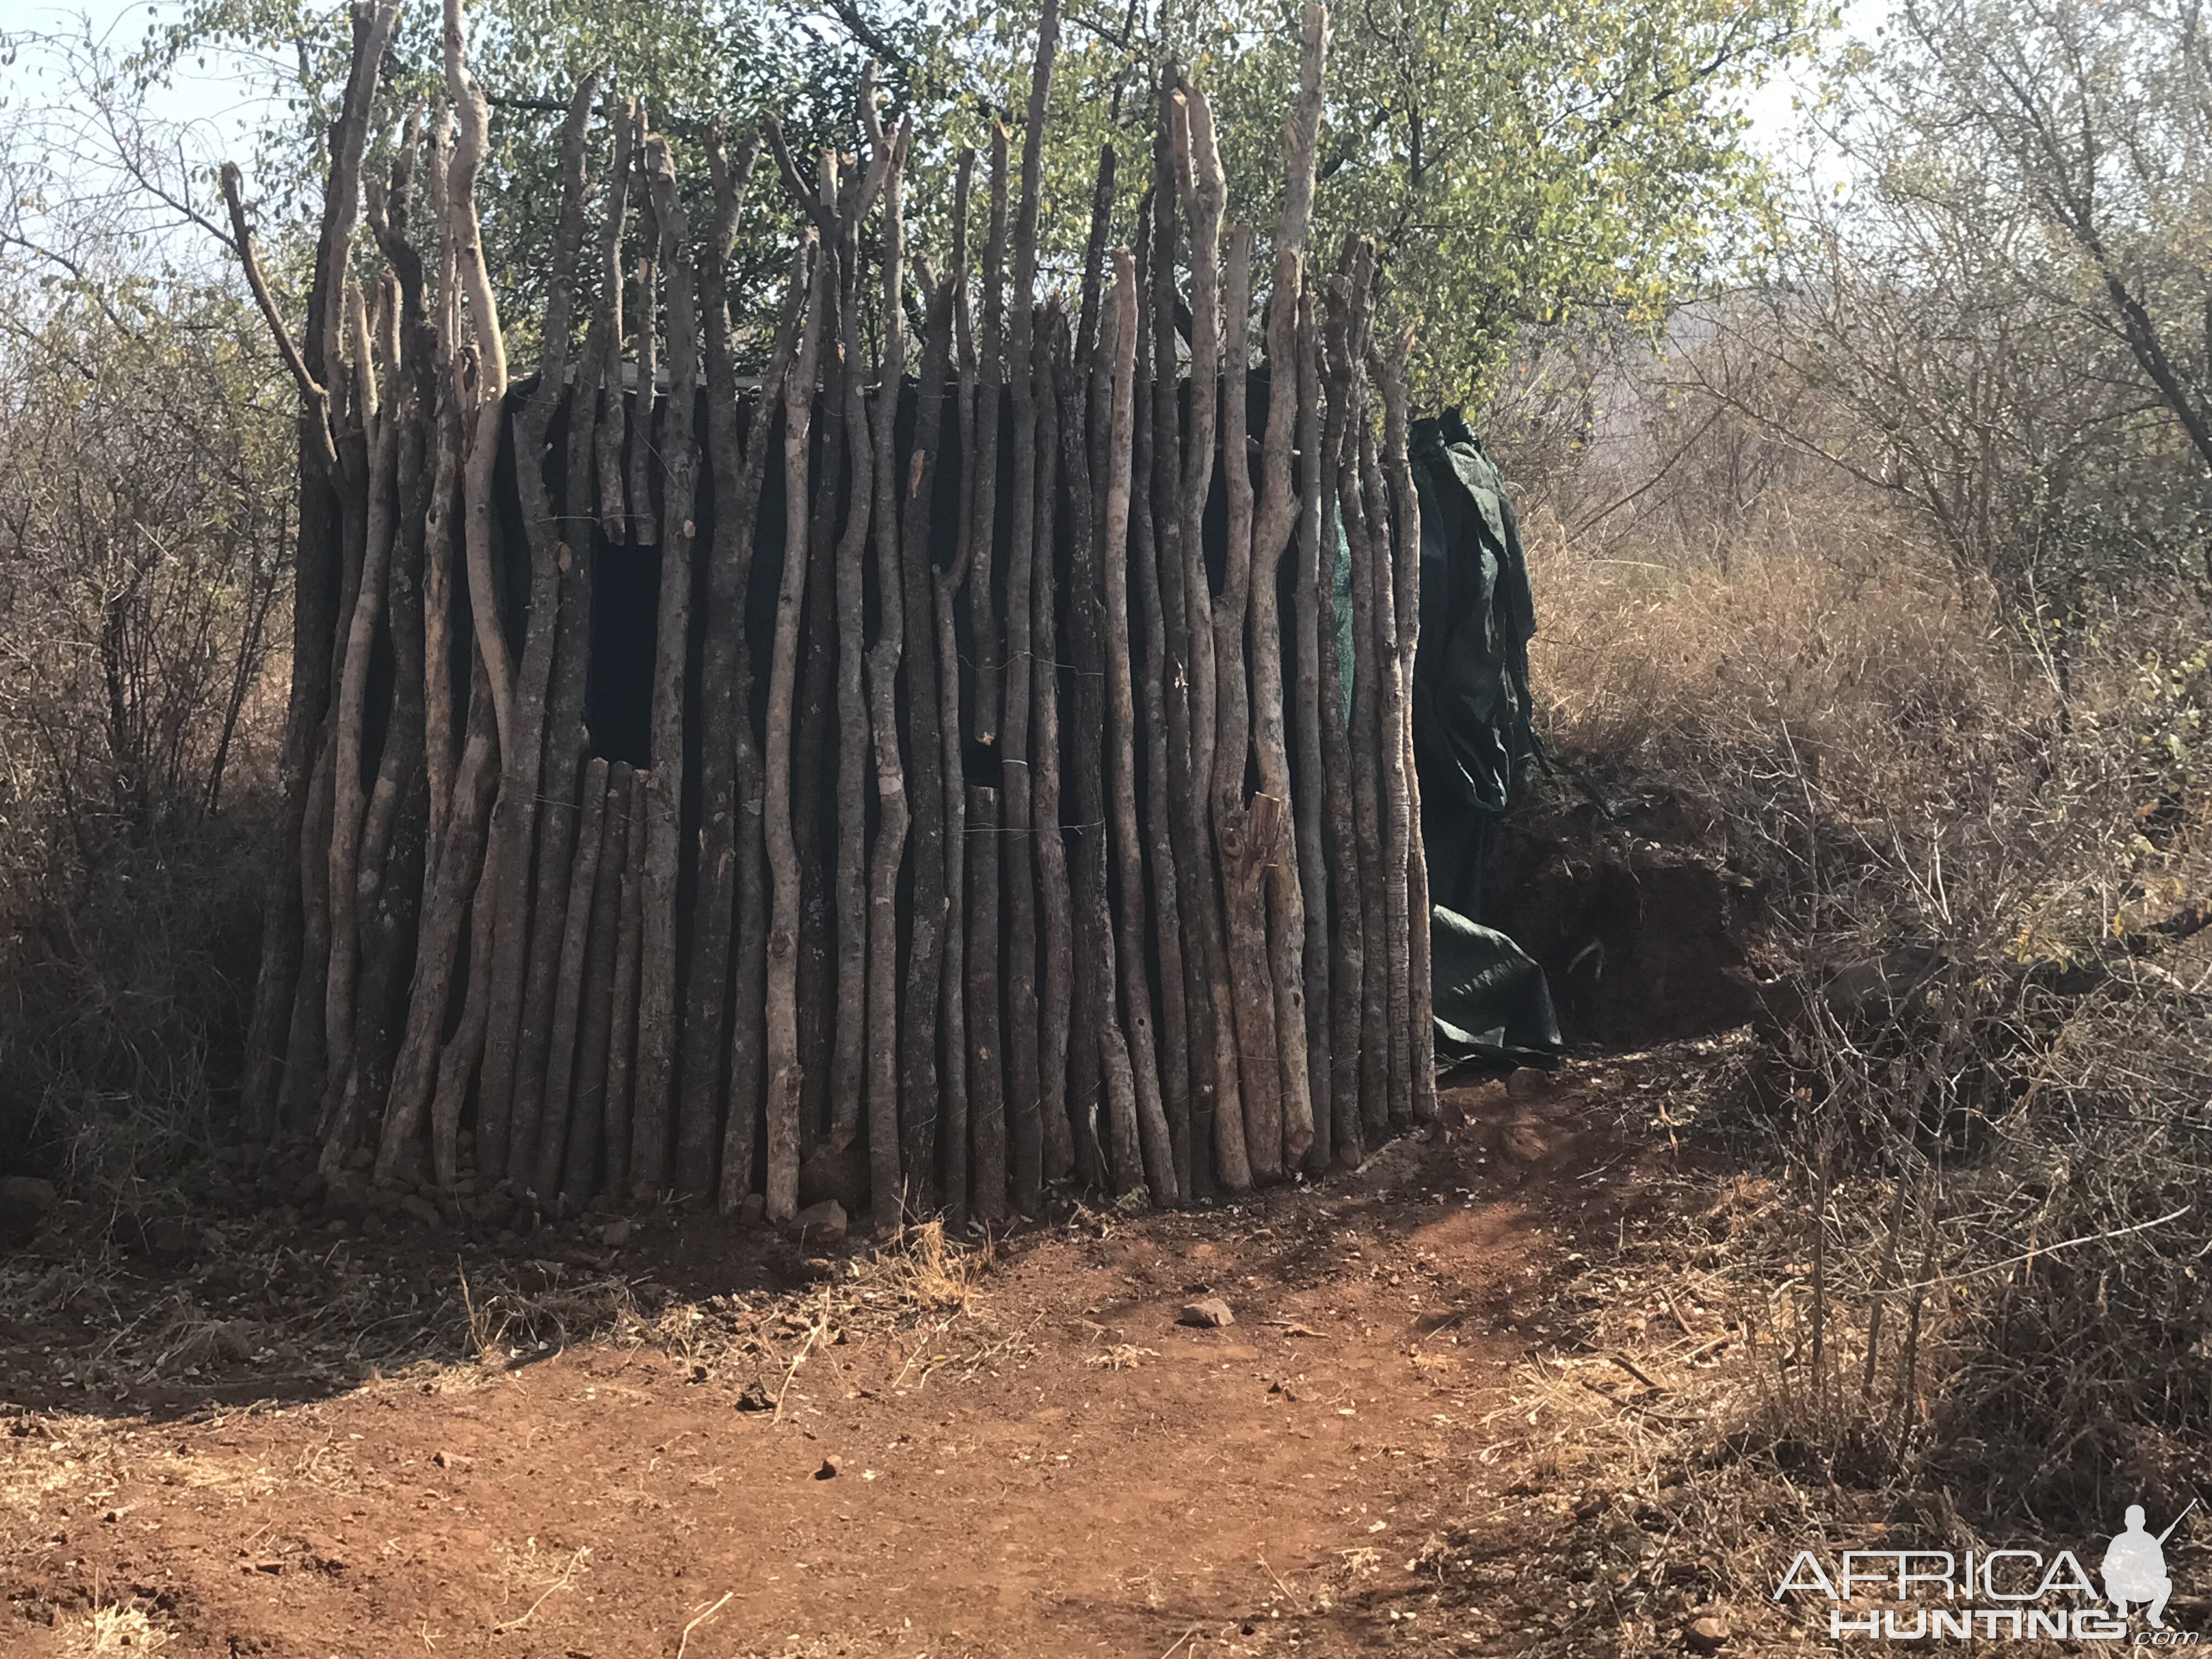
2135, 1567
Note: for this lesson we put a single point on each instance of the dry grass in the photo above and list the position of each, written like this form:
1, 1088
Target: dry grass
1953, 1288
123, 1628
1742, 663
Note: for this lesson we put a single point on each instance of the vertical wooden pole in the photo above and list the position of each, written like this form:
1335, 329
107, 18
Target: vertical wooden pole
1347, 323
316, 579
748, 1031
886, 1184
1024, 1124
945, 1164
584, 1157
727, 716
1157, 849
1059, 459
621, 1014
1309, 785
1245, 837
649, 1171
559, 693
924, 722
1347, 884
986, 1080
569, 985
1199, 182
781, 1025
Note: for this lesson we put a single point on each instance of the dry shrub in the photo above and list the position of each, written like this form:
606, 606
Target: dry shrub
1808, 651
1972, 1303
143, 547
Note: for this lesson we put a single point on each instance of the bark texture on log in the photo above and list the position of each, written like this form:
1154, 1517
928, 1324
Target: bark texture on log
1347, 971
1025, 1130
1245, 837
986, 1184
1142, 1149
315, 580
1417, 1025
945, 1163
562, 695
886, 1184
581, 1165
650, 1127
739, 482
782, 984
568, 982
1309, 788
454, 892
1203, 190
925, 741
1158, 824
617, 1137
1060, 462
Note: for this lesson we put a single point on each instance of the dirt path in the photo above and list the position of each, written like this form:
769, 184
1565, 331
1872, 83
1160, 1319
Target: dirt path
1057, 1465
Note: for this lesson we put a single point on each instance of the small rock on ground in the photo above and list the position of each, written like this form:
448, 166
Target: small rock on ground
1527, 1082
1211, 1314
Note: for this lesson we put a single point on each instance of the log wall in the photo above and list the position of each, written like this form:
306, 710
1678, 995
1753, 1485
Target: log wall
930, 765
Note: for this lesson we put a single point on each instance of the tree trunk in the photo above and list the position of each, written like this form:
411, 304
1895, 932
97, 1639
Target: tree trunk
948, 1167
1390, 752
1285, 897
1310, 832
1142, 1148
986, 1198
1176, 1039
1245, 851
613, 436
306, 1048
982, 602
580, 1180
391, 886
1419, 1023
448, 398
554, 1126
1347, 322
726, 707
917, 1082
1201, 185
616, 1114
1024, 1124
377, 358
847, 1080
886, 1186
493, 1014
738, 492
316, 587
1348, 886
656, 997
561, 735
1060, 440
452, 892
781, 990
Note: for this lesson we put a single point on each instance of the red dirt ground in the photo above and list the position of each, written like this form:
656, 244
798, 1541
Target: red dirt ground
1062, 1468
